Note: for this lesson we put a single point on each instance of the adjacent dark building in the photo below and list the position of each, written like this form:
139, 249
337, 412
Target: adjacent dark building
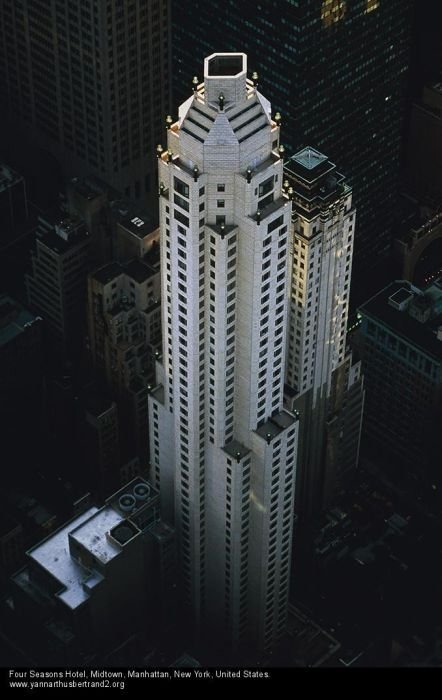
400, 341
57, 285
88, 587
89, 83
336, 70
13, 202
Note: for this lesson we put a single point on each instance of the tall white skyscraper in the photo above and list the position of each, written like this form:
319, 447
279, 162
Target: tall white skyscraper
324, 386
223, 449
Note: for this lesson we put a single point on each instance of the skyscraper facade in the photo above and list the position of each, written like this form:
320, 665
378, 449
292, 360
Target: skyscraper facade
323, 385
336, 69
57, 284
89, 83
223, 448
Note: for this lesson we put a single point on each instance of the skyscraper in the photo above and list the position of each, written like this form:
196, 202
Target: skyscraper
89, 83
323, 385
336, 69
223, 449
57, 285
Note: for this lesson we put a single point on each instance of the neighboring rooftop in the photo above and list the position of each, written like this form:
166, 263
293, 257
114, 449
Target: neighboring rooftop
89, 188
309, 158
108, 272
309, 165
138, 270
140, 227
14, 319
75, 554
91, 534
422, 334
64, 236
53, 555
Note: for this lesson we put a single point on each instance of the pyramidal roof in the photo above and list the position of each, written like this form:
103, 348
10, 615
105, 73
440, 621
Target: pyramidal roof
230, 123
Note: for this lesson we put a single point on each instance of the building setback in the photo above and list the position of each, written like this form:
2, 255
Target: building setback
337, 72
223, 449
89, 82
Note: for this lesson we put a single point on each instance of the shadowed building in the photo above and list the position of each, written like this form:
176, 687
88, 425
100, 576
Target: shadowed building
57, 285
89, 82
124, 318
88, 587
336, 70
400, 344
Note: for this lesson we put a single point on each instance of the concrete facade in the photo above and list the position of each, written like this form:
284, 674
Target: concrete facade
223, 449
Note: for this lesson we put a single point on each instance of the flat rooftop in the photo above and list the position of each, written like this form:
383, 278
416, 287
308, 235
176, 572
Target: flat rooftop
14, 319
108, 272
236, 450
98, 534
138, 270
138, 225
275, 425
400, 323
91, 534
59, 245
54, 556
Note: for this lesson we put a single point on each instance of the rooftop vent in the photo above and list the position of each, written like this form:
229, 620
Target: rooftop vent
401, 299
124, 532
141, 492
127, 502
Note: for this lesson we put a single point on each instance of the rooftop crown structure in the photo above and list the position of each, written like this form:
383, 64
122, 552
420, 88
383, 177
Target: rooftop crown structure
223, 449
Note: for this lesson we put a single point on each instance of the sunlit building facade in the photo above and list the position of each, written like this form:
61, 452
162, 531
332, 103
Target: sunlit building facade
223, 448
324, 386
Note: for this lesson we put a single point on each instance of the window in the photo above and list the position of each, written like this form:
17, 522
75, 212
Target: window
220, 220
220, 203
180, 217
220, 187
274, 224
181, 202
181, 187
265, 187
